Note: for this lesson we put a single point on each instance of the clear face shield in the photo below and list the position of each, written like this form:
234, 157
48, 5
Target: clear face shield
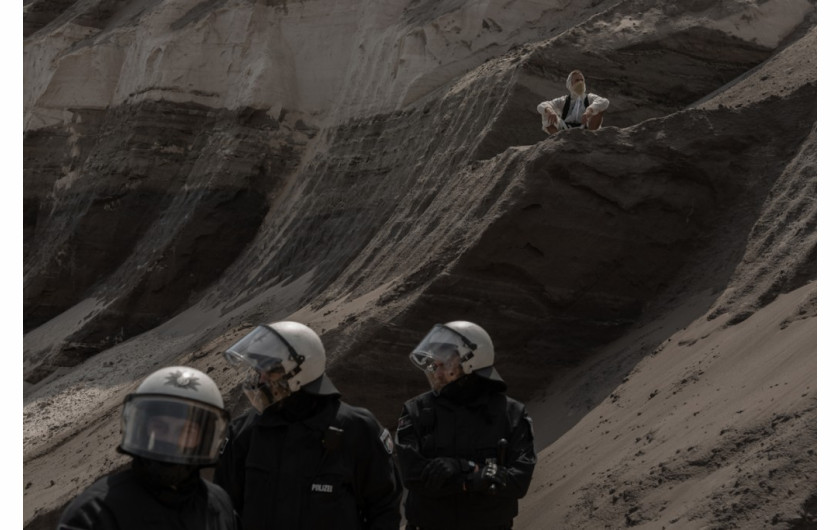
439, 355
171, 429
266, 361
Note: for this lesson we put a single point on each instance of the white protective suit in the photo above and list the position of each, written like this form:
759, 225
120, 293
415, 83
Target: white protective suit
576, 107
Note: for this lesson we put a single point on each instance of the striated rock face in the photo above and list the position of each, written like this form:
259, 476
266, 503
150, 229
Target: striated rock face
192, 168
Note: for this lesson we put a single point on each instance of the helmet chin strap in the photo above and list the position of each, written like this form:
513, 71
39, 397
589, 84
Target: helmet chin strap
295, 356
469, 344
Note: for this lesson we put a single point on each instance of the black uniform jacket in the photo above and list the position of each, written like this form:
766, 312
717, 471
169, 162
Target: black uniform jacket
123, 501
466, 421
331, 470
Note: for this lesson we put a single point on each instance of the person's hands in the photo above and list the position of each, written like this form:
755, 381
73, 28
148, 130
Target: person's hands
438, 470
551, 116
486, 478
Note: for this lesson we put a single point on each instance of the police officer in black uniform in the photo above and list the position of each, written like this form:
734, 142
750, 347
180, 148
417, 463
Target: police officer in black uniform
172, 425
465, 450
302, 458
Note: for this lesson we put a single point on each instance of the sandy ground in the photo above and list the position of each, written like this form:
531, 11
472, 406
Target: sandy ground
710, 392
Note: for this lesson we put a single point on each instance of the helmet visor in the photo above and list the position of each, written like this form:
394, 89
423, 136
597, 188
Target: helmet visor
171, 429
439, 345
267, 363
440, 354
262, 349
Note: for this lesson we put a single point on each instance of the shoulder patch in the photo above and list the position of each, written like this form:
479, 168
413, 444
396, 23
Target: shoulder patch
387, 442
404, 422
223, 445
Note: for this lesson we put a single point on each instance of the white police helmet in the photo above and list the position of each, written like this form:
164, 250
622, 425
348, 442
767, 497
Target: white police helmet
457, 346
280, 358
176, 415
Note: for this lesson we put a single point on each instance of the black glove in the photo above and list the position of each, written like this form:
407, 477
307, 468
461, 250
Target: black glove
438, 470
489, 478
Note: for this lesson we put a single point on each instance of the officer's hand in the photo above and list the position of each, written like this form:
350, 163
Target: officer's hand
489, 478
438, 470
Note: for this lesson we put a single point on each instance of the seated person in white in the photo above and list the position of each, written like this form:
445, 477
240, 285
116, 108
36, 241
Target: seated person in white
578, 109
